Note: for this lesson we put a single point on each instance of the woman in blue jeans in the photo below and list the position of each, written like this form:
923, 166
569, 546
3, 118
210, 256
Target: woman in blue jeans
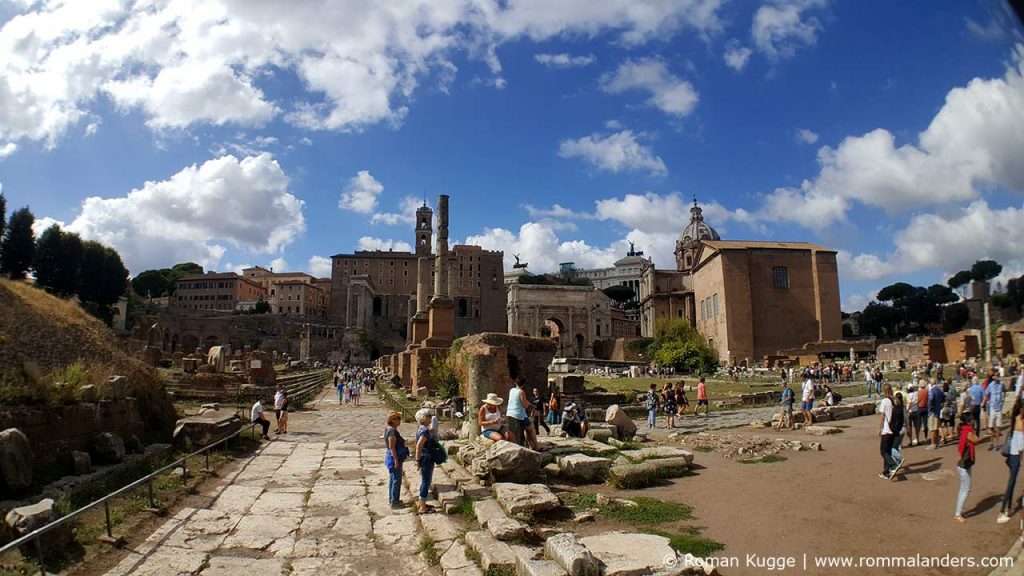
394, 456
1016, 441
966, 462
424, 460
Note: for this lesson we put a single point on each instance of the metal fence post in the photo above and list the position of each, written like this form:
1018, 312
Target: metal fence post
106, 512
184, 471
39, 554
152, 502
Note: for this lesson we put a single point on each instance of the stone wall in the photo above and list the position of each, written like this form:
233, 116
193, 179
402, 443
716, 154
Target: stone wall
53, 431
509, 356
894, 352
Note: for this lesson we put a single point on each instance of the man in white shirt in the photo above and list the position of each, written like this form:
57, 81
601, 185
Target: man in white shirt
257, 417
278, 403
807, 402
885, 433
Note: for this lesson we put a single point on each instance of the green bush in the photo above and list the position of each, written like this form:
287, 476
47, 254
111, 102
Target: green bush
444, 377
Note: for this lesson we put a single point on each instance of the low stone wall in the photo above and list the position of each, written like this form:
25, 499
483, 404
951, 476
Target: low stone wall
54, 431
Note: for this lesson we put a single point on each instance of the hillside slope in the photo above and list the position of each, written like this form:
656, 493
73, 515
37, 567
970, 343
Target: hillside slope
41, 336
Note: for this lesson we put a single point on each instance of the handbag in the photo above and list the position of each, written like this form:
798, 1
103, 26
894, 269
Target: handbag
965, 460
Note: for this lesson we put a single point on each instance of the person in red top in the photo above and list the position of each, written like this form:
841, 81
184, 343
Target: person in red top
966, 463
702, 397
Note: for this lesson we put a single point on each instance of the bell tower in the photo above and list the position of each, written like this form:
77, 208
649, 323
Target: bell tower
424, 230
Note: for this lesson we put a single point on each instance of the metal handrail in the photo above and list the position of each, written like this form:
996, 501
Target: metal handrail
183, 462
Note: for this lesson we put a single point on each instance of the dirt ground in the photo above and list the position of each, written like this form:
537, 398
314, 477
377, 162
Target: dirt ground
832, 503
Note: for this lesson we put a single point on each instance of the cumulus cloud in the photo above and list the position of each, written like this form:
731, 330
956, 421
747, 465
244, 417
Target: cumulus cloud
361, 192
538, 244
371, 243
856, 302
947, 243
669, 93
973, 143
736, 55
556, 211
406, 214
781, 27
806, 136
616, 152
8, 149
319, 266
195, 213
41, 224
564, 60
202, 61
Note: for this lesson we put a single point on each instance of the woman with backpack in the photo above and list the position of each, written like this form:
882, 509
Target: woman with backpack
426, 456
554, 406
965, 465
1013, 454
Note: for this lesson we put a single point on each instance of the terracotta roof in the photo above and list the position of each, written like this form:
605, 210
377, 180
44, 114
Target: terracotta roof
758, 245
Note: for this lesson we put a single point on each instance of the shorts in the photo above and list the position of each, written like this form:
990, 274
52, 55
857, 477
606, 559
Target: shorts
995, 419
702, 402
501, 430
526, 423
933, 422
808, 405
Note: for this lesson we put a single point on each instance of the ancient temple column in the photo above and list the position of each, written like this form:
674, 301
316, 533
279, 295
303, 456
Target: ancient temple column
441, 329
419, 325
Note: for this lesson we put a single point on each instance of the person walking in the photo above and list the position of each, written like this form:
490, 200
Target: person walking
355, 393
965, 465
948, 414
424, 458
282, 422
702, 398
936, 399
396, 454
886, 435
898, 425
554, 406
992, 403
788, 397
914, 428
669, 406
975, 398
652, 406
807, 401
539, 416
1016, 441
682, 401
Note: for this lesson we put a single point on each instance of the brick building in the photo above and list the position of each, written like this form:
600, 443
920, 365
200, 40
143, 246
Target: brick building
376, 289
213, 293
295, 293
749, 299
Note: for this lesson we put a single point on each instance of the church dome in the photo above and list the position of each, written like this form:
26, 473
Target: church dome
697, 229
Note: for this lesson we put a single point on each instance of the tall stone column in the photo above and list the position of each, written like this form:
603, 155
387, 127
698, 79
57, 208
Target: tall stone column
441, 329
420, 322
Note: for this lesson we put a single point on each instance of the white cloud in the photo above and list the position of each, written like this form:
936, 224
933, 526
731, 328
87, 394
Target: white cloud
615, 153
361, 192
193, 214
41, 224
279, 264
8, 149
995, 30
555, 211
781, 26
947, 244
973, 143
736, 55
537, 243
856, 302
202, 61
319, 266
669, 93
564, 60
806, 136
406, 214
371, 243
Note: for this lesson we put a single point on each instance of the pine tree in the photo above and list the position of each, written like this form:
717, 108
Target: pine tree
18, 246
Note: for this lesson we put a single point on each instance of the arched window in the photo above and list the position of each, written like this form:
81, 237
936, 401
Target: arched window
702, 309
715, 299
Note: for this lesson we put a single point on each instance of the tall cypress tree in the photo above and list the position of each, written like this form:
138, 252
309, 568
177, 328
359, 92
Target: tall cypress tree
47, 259
19, 245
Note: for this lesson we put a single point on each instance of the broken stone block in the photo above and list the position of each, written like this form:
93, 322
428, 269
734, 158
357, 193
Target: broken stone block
529, 567
815, 446
108, 448
487, 510
506, 529
81, 463
656, 452
624, 426
15, 459
88, 393
117, 387
571, 555
624, 554
822, 430
647, 473
506, 461
525, 500
583, 468
494, 555
599, 434
26, 519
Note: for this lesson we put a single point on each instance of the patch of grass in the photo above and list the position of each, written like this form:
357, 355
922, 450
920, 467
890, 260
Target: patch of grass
581, 500
689, 541
473, 556
500, 571
766, 459
429, 551
465, 509
647, 511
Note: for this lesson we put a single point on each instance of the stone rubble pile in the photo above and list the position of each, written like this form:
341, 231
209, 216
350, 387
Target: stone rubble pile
735, 446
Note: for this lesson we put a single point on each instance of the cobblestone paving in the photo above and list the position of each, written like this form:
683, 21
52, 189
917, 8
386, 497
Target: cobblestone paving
311, 502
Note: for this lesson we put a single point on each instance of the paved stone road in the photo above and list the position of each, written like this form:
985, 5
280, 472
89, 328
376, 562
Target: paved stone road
311, 502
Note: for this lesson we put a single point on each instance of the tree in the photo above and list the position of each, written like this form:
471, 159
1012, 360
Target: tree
959, 280
955, 316
940, 294
878, 319
46, 261
19, 245
620, 293
677, 344
152, 283
985, 270
103, 279
262, 307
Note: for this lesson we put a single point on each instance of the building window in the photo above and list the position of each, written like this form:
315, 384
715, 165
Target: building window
780, 277
715, 300
701, 309
679, 312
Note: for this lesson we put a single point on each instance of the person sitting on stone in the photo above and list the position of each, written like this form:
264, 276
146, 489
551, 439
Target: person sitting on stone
489, 418
574, 421
257, 417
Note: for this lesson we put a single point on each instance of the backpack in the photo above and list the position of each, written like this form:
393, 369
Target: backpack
652, 401
836, 397
437, 452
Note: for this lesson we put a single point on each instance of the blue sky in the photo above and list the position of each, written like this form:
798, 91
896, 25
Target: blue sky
262, 132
